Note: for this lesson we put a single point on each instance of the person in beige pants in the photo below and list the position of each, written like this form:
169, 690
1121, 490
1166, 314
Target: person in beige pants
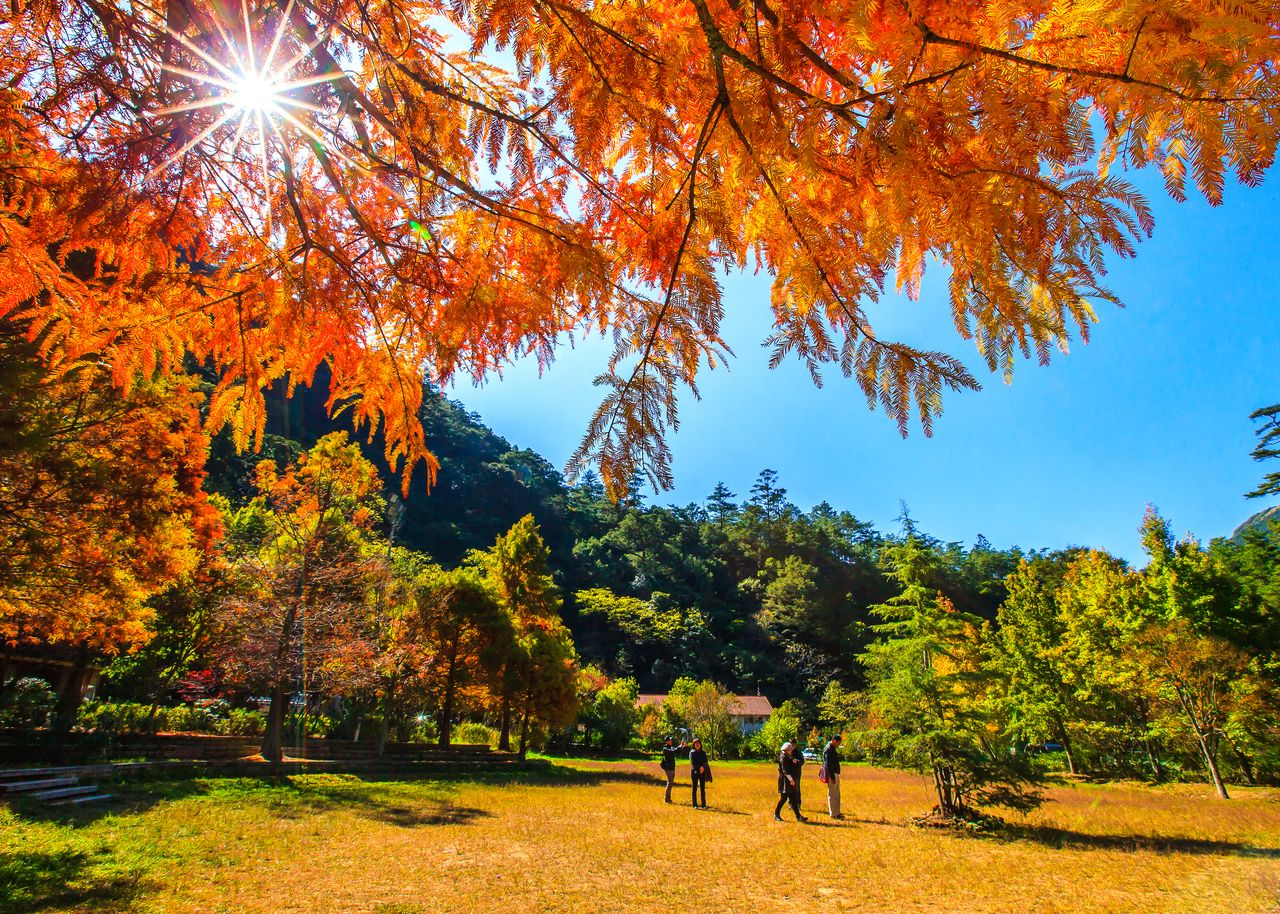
831, 762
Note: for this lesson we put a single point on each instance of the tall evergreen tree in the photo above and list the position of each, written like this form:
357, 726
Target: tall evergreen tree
925, 690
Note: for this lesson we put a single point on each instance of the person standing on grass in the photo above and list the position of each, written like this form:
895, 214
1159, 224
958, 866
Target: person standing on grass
789, 763
668, 763
700, 771
831, 766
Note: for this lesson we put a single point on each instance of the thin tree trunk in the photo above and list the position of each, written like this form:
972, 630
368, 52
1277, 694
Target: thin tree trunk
388, 702
524, 729
504, 737
1154, 758
273, 737
1211, 759
941, 788
445, 721
953, 792
1066, 745
1246, 766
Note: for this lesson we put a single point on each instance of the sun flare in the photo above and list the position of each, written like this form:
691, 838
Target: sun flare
256, 94
259, 97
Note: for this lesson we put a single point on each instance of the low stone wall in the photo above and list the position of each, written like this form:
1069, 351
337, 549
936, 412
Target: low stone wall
76, 748
23, 748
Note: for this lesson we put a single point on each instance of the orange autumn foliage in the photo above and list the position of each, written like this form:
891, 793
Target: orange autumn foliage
460, 184
101, 498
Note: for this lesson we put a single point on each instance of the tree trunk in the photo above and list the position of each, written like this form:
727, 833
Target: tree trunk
71, 695
1154, 758
1066, 746
273, 737
524, 730
445, 721
388, 702
1246, 766
1211, 759
949, 802
504, 737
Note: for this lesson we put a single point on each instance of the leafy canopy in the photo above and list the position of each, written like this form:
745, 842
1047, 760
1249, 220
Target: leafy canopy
403, 209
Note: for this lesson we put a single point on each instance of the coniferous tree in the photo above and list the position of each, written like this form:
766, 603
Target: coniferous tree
925, 693
1025, 648
1267, 448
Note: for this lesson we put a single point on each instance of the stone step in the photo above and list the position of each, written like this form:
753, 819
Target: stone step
25, 774
42, 784
65, 792
82, 800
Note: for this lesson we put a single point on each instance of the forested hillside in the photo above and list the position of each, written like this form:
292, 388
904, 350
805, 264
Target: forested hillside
747, 589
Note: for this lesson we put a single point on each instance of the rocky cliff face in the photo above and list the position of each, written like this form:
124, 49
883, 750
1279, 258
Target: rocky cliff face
1260, 520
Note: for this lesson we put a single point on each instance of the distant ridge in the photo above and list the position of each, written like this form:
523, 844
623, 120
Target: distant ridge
1260, 520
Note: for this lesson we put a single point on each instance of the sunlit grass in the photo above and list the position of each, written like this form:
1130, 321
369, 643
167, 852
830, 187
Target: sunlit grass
595, 836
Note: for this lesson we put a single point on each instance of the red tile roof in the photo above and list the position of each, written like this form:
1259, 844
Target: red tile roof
743, 705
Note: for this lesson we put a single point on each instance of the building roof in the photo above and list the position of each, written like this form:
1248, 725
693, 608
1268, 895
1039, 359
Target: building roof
743, 705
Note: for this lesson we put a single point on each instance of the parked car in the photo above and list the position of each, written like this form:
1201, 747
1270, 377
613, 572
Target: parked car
811, 754
1046, 747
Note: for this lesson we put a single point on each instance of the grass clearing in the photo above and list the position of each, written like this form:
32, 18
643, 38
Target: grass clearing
595, 836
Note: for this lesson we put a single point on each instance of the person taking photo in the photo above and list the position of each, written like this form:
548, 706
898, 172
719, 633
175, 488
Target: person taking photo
668, 763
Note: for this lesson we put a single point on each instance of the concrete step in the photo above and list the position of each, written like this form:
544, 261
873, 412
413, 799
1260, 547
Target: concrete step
41, 784
65, 792
82, 800
26, 774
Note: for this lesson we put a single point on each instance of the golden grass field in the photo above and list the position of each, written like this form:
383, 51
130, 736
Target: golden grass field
595, 837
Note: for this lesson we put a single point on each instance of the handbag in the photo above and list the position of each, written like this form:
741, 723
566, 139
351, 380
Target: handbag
822, 774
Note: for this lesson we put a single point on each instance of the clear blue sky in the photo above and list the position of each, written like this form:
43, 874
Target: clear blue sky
1154, 409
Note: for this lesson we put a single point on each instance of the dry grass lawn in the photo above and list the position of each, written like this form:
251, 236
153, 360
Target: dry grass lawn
596, 837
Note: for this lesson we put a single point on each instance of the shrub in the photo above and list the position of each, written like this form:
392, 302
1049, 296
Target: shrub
616, 713
218, 707
319, 725
244, 722
126, 717
422, 729
188, 719
650, 733
28, 705
782, 726
474, 733
110, 718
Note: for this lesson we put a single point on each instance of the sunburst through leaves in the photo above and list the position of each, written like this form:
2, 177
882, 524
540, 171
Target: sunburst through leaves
260, 93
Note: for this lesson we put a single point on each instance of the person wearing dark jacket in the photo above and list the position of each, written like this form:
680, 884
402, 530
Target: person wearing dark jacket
790, 762
668, 763
831, 762
700, 771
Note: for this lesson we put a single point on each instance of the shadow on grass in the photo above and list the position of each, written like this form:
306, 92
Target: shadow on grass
1059, 838
355, 788
126, 799
282, 796
363, 798
38, 881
